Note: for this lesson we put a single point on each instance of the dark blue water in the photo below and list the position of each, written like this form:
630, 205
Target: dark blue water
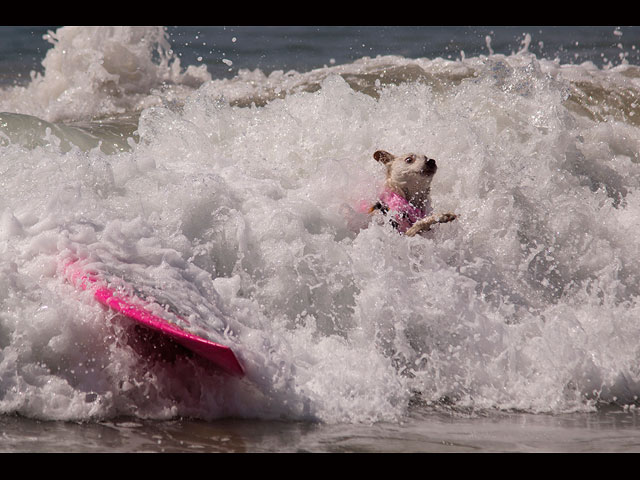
303, 48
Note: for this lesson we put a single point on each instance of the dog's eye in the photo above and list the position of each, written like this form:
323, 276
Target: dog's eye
409, 159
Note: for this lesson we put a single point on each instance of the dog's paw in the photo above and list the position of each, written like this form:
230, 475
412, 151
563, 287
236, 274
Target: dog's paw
424, 225
447, 217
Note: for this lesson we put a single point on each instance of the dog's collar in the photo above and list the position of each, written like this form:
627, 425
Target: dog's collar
403, 213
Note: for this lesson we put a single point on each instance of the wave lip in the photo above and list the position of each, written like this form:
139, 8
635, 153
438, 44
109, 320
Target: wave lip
101, 71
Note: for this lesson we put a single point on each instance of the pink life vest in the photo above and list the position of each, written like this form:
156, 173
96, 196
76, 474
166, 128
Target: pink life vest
403, 214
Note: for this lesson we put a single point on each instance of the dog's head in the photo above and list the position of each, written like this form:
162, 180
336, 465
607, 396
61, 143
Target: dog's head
410, 173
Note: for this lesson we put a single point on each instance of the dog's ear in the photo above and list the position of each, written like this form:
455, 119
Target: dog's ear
383, 157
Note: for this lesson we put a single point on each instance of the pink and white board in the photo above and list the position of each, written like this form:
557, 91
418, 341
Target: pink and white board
133, 307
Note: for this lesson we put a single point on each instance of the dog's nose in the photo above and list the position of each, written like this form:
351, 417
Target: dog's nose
429, 167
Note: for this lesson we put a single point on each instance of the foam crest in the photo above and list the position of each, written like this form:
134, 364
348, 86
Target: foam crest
101, 71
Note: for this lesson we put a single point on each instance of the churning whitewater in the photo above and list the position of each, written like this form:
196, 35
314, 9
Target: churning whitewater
226, 197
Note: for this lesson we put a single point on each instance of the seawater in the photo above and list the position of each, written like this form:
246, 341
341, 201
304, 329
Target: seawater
226, 189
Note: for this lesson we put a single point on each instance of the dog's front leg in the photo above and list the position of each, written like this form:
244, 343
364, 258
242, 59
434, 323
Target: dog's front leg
424, 224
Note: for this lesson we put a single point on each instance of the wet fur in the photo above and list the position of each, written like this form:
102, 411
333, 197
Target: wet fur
410, 176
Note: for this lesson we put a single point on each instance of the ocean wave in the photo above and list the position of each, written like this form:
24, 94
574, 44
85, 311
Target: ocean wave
101, 71
230, 193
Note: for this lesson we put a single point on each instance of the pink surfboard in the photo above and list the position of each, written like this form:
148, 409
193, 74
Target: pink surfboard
133, 307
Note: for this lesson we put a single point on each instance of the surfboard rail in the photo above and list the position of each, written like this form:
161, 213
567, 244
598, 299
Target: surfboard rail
133, 307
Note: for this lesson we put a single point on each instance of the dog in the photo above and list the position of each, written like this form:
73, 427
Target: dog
406, 194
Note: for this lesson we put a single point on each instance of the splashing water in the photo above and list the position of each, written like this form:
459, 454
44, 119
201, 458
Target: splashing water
229, 197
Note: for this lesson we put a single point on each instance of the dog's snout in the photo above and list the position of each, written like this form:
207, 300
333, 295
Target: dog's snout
429, 167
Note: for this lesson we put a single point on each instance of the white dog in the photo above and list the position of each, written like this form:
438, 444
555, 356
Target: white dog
405, 197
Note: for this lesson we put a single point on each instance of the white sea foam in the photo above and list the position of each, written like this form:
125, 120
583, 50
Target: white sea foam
236, 212
102, 71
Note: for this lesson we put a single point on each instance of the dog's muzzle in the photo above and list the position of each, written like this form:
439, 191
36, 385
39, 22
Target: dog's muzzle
429, 167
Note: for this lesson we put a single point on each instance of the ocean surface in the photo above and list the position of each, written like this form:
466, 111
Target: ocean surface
220, 170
